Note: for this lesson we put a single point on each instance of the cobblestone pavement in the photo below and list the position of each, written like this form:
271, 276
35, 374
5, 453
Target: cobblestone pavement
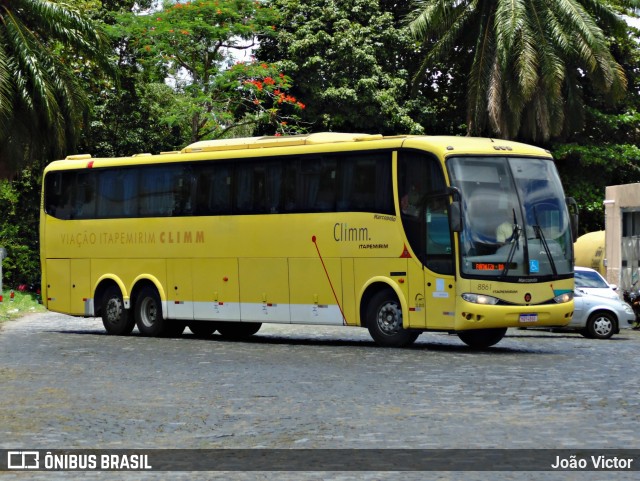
65, 384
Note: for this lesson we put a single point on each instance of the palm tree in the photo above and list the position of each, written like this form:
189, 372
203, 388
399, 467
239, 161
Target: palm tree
42, 104
529, 60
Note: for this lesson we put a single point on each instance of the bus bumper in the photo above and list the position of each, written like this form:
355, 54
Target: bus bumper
477, 316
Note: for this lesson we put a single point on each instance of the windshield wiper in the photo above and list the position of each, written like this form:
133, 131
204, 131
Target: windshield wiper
515, 244
543, 241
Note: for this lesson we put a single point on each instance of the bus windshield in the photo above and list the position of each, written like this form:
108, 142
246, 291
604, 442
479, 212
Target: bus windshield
515, 220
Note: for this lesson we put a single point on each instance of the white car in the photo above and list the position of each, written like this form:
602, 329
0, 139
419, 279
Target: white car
598, 311
599, 317
591, 282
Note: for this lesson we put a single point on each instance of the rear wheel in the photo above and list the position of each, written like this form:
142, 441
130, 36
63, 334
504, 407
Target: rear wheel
202, 329
238, 330
384, 321
601, 325
148, 312
115, 318
481, 338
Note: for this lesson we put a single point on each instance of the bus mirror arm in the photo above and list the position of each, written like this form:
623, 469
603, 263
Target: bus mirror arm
573, 216
455, 211
455, 216
454, 192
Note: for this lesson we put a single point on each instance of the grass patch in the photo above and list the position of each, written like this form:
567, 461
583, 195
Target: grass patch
23, 303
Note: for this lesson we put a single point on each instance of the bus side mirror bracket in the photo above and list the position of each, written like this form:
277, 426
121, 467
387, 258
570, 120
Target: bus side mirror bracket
455, 216
455, 211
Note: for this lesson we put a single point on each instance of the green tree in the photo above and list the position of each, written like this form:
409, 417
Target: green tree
606, 151
353, 62
19, 205
195, 47
42, 103
529, 60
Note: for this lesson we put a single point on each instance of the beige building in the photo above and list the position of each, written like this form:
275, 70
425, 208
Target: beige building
622, 235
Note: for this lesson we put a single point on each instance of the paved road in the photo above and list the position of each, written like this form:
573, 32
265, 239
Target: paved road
65, 384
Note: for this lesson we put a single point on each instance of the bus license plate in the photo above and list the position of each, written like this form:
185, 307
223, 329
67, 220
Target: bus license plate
528, 318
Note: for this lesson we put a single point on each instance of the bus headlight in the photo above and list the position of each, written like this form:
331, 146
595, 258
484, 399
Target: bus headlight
480, 299
562, 298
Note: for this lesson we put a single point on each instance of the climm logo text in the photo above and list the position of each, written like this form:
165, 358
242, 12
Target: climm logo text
343, 233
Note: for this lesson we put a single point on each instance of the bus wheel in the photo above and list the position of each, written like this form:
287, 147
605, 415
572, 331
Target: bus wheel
238, 330
202, 329
481, 338
115, 317
384, 321
148, 312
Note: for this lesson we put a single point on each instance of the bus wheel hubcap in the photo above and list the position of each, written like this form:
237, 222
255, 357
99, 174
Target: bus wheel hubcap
389, 318
114, 308
149, 312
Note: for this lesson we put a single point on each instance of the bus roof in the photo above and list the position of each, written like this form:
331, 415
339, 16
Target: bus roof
442, 146
277, 141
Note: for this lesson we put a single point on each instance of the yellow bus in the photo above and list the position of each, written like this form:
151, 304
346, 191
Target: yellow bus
399, 234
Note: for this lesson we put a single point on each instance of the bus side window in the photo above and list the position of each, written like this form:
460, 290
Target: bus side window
258, 187
65, 203
183, 191
85, 202
212, 185
314, 189
53, 190
118, 193
243, 183
346, 174
273, 186
219, 200
157, 191
364, 183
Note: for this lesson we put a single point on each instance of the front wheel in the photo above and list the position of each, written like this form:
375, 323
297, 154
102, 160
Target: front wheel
600, 325
384, 321
115, 318
482, 338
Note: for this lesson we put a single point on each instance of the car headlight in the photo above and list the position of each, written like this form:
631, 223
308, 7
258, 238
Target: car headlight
627, 308
562, 298
480, 299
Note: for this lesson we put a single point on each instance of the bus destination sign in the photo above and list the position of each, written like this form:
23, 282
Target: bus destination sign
492, 266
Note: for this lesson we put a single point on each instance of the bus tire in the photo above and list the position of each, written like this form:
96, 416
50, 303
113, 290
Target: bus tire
384, 321
115, 318
202, 329
148, 312
482, 338
238, 330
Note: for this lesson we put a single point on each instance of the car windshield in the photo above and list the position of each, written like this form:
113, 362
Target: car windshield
590, 279
515, 221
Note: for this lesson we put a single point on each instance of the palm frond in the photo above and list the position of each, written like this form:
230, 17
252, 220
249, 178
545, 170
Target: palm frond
451, 23
52, 20
480, 74
510, 17
33, 82
6, 91
432, 17
42, 104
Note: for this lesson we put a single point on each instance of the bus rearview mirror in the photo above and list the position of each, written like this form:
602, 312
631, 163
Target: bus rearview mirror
455, 216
